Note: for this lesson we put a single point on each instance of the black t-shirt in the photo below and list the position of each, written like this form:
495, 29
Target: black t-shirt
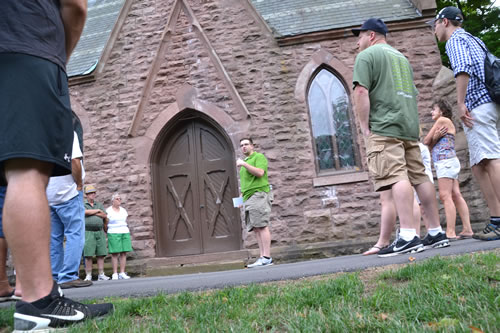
33, 27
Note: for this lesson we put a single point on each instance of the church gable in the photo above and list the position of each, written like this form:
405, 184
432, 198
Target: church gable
186, 57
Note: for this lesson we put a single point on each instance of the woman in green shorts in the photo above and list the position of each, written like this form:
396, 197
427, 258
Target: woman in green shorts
119, 242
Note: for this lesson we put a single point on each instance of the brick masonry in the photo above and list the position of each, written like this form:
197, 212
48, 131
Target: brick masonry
266, 78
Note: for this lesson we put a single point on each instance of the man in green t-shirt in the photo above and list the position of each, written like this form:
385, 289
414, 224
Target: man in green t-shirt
386, 104
257, 199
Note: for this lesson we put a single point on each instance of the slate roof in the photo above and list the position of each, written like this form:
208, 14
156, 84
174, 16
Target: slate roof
295, 17
101, 18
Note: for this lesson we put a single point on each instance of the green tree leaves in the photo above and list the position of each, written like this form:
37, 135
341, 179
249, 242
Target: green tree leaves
482, 19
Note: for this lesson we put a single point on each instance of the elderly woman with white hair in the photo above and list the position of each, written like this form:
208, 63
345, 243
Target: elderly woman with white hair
119, 242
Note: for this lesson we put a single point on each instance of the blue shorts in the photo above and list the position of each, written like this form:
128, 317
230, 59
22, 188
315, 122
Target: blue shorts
3, 189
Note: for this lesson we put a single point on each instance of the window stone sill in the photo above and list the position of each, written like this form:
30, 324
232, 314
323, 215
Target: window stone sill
343, 178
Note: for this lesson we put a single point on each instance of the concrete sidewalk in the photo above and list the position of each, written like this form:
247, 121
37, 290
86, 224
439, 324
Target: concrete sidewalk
149, 286
140, 287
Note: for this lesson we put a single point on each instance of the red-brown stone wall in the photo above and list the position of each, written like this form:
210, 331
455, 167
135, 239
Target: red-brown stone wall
265, 76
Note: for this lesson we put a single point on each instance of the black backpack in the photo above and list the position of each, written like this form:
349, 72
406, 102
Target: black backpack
491, 73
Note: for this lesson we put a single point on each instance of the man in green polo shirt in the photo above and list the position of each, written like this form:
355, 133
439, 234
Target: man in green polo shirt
257, 199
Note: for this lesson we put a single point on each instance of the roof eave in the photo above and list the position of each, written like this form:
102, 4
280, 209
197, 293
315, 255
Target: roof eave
333, 34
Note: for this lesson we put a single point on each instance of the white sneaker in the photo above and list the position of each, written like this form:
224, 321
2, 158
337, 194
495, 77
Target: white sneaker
261, 262
102, 277
267, 262
123, 276
88, 277
114, 276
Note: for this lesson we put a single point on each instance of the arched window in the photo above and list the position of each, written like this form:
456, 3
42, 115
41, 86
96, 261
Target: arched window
332, 126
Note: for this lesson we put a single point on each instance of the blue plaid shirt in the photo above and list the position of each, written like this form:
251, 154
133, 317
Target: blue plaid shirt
467, 56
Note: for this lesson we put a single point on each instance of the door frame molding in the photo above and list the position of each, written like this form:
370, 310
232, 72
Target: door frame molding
147, 147
186, 100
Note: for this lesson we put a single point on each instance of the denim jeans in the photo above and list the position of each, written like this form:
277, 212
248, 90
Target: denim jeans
67, 220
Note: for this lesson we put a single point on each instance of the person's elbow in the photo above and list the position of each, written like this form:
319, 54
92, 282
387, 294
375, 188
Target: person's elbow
260, 173
360, 91
76, 164
78, 7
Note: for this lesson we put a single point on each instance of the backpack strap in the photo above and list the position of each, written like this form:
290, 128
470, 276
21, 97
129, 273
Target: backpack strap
485, 49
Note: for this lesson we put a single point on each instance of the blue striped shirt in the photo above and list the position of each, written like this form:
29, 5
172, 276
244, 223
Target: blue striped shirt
467, 56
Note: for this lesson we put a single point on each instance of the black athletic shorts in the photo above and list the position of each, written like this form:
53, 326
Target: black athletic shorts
35, 112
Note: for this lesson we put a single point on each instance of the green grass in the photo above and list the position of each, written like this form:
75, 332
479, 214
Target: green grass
442, 294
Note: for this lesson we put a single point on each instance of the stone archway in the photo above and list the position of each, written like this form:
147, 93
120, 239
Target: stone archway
147, 146
194, 181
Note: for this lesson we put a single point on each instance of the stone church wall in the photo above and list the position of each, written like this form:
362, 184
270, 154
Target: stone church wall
265, 75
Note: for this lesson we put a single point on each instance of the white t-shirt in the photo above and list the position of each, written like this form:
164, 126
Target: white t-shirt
117, 221
63, 188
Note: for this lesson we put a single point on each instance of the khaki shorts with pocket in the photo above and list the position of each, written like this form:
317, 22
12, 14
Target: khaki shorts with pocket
258, 210
391, 160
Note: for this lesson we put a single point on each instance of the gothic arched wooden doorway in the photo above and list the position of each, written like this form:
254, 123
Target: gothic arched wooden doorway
194, 181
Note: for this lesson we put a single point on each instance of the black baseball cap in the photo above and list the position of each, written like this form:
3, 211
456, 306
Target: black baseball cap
451, 13
372, 24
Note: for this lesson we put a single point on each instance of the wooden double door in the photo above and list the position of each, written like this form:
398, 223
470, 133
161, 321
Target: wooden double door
196, 183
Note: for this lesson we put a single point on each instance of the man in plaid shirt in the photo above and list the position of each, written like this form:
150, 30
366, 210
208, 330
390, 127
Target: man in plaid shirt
479, 114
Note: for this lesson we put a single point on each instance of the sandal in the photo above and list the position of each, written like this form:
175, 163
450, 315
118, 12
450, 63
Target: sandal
8, 297
373, 250
460, 237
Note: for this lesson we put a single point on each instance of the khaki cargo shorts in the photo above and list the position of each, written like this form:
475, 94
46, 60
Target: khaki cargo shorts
258, 210
391, 160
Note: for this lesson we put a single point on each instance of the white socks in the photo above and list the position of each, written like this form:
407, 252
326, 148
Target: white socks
434, 231
407, 234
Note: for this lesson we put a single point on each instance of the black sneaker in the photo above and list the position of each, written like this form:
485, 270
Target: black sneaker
60, 312
440, 240
400, 246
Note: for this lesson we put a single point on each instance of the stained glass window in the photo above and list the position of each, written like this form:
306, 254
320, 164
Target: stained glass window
331, 123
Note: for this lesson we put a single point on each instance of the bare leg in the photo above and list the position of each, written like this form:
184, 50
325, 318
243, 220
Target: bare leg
387, 218
486, 187
427, 196
403, 199
114, 262
387, 222
445, 190
19, 289
462, 208
259, 240
417, 216
26, 222
100, 264
492, 168
5, 288
425, 219
123, 262
265, 241
88, 265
